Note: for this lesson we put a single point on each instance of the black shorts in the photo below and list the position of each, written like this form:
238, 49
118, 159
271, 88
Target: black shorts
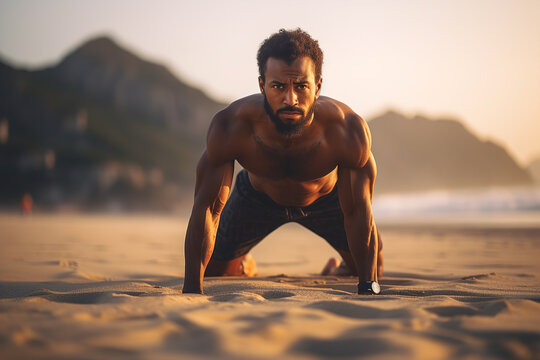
250, 215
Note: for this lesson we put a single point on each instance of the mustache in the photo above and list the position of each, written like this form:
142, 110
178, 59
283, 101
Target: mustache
290, 108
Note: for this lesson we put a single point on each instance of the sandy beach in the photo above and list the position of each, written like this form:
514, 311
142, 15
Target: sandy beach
109, 287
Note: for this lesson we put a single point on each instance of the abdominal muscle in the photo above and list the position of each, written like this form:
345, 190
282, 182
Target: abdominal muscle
288, 192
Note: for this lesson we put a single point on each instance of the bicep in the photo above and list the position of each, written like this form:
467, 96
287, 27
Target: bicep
356, 147
213, 184
222, 139
355, 187
216, 166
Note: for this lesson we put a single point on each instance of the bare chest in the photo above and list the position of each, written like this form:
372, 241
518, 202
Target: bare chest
306, 161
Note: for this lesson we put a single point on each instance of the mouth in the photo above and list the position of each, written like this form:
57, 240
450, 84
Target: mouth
291, 114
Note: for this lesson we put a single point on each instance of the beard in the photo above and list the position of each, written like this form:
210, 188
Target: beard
284, 128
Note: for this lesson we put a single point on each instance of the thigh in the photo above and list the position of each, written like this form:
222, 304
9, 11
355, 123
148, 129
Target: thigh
246, 219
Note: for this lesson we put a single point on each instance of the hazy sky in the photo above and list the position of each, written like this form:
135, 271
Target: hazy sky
478, 61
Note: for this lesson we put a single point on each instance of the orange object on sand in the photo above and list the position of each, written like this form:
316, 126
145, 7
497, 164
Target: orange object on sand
26, 204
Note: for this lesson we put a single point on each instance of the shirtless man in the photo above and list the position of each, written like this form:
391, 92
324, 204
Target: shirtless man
307, 159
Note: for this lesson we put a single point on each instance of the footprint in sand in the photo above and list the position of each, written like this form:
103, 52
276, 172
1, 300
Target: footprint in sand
359, 311
251, 297
450, 311
95, 297
239, 297
277, 294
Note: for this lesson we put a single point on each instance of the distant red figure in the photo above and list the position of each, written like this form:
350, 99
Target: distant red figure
26, 204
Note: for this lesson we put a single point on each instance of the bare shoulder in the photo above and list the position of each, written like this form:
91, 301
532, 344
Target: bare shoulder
229, 127
347, 131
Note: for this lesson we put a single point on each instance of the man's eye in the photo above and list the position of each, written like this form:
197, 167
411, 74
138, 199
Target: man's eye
277, 86
302, 87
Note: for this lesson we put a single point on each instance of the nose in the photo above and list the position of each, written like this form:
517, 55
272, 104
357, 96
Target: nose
291, 99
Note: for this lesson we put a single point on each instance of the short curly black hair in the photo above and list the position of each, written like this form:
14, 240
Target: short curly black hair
289, 45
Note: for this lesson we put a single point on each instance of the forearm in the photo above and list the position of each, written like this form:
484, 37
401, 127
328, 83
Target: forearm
363, 245
199, 245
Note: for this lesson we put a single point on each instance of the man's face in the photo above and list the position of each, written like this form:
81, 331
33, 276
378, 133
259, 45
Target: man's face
290, 92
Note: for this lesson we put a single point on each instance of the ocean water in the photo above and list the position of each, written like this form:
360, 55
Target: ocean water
504, 206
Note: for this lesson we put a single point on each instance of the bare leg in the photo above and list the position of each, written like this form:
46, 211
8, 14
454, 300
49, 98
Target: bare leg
334, 266
241, 266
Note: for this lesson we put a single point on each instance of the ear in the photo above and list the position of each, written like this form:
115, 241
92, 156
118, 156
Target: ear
261, 84
318, 88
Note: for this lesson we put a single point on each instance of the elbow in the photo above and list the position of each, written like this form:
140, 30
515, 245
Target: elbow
358, 217
217, 207
206, 209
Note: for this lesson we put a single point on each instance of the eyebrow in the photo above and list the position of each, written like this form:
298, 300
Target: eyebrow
300, 82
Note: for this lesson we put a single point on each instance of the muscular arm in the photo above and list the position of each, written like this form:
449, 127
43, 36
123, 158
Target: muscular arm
356, 177
211, 193
355, 188
214, 177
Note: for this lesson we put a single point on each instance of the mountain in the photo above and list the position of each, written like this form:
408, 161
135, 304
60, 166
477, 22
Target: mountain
102, 70
102, 126
416, 154
534, 169
106, 129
